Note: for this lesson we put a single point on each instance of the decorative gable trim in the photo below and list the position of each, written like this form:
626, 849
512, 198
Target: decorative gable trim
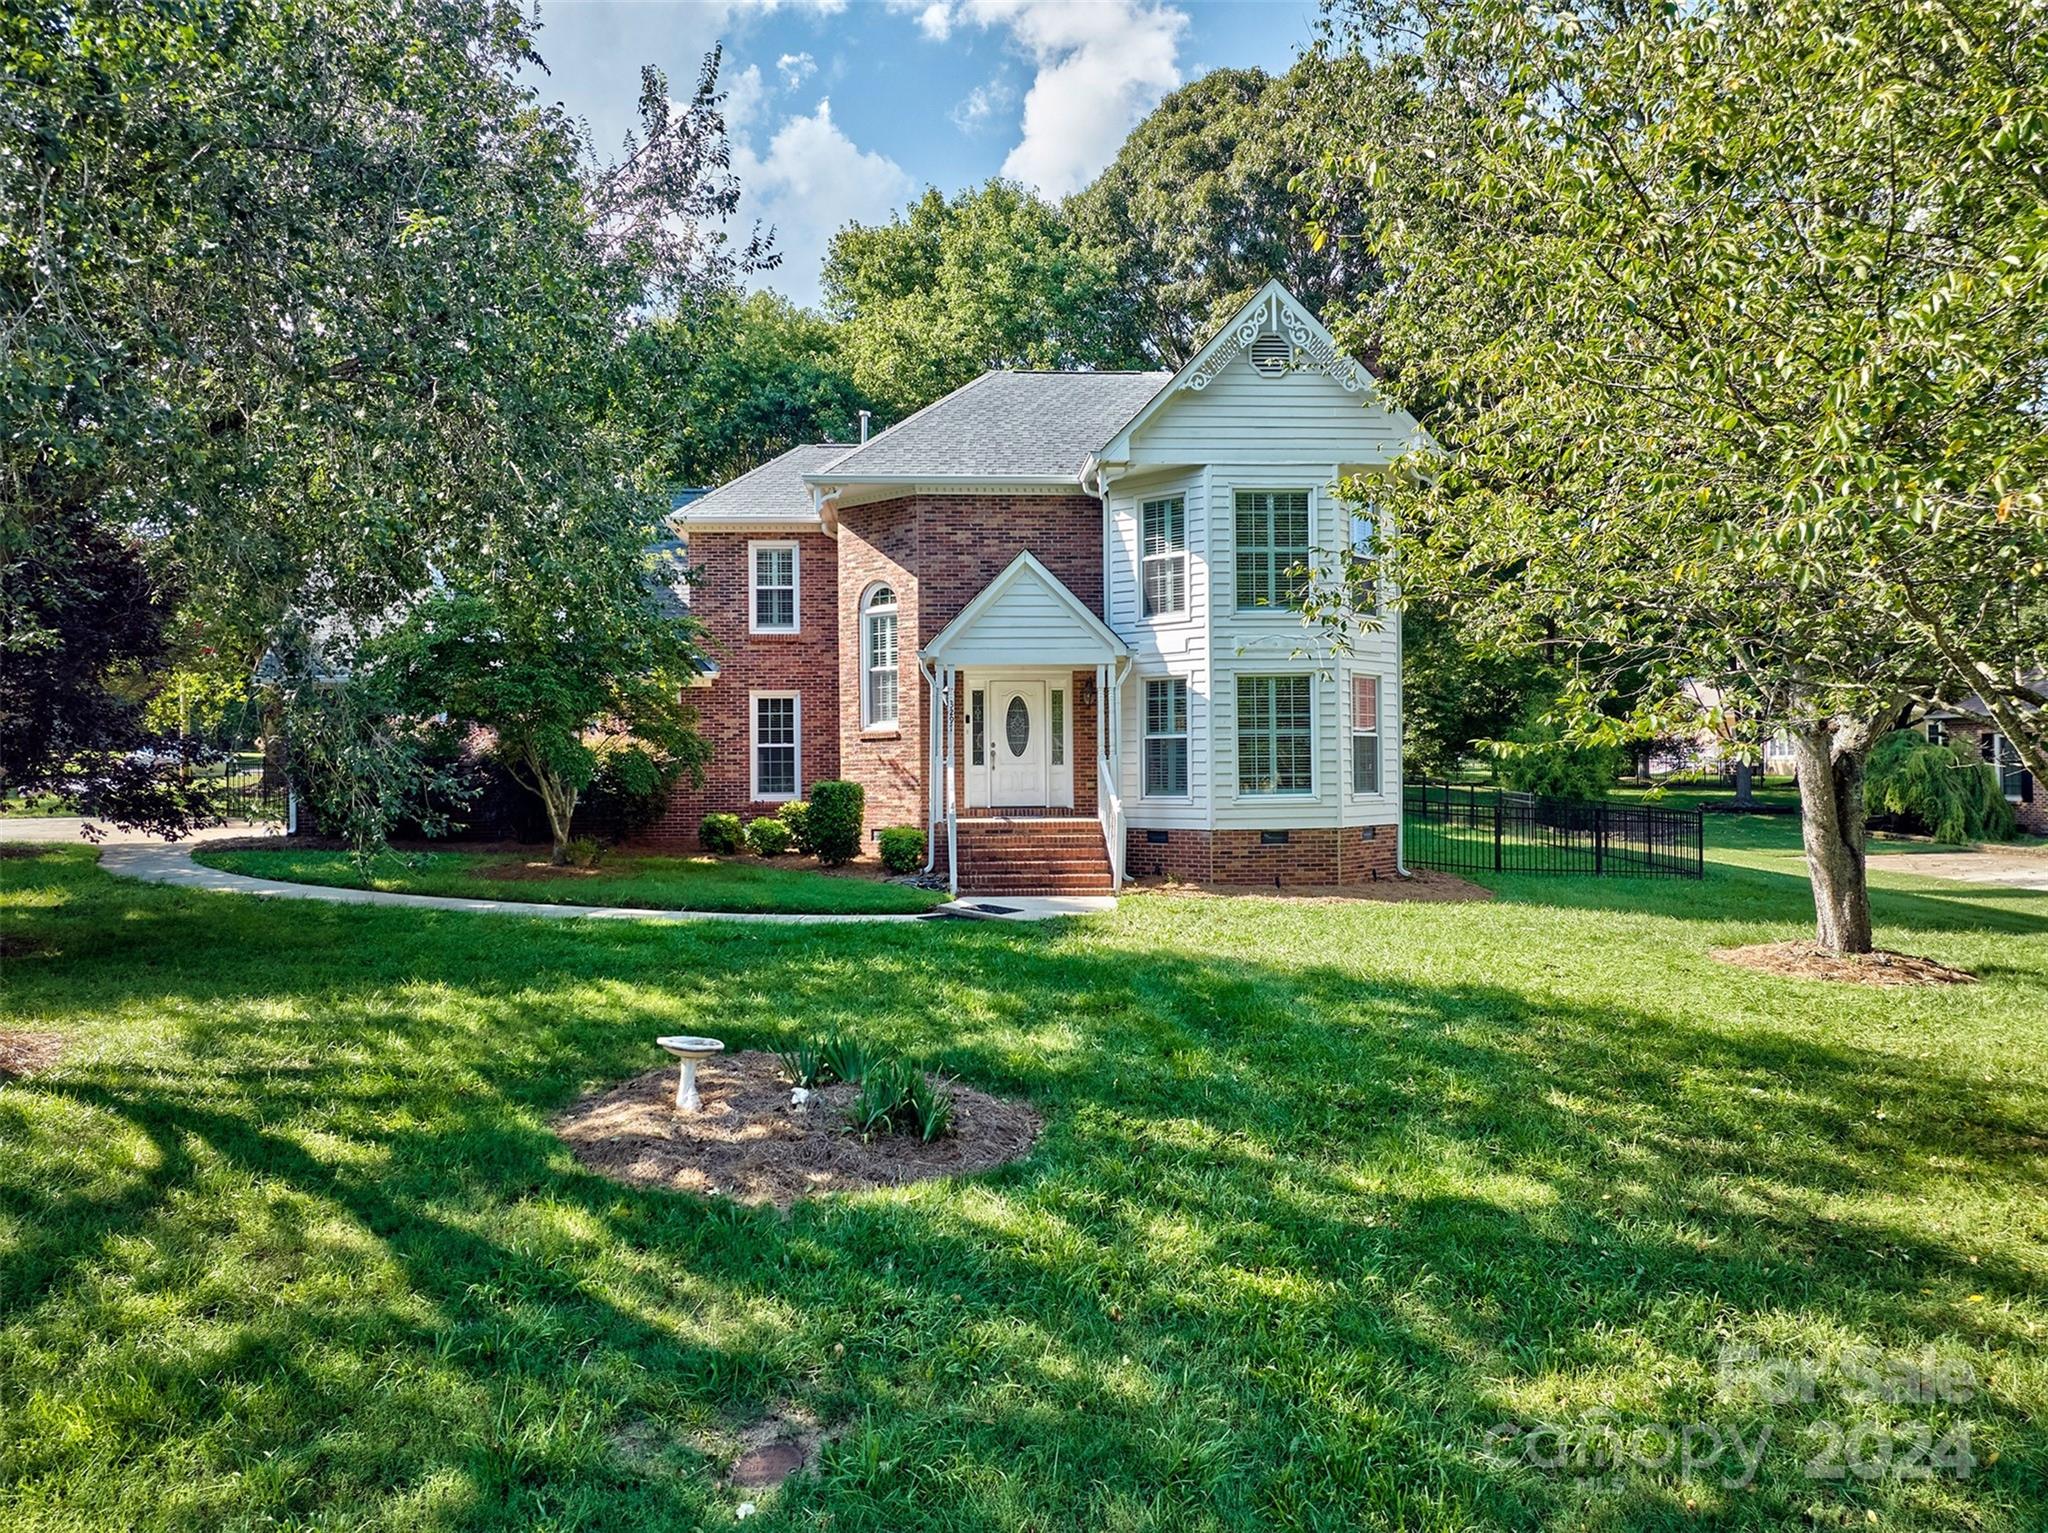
1275, 311
1272, 308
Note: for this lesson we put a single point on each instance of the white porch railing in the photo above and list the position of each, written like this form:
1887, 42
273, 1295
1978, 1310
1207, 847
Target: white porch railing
1109, 803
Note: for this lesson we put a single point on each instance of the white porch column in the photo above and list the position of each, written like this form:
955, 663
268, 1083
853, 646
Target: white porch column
949, 713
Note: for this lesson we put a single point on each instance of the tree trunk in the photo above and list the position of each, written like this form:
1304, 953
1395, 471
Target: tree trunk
1745, 783
1832, 824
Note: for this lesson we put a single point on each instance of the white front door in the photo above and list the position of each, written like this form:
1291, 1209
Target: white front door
1017, 743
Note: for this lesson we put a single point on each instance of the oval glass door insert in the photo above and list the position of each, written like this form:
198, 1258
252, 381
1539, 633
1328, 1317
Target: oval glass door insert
1017, 726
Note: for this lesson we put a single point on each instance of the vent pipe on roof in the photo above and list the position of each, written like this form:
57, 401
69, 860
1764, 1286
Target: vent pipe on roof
865, 417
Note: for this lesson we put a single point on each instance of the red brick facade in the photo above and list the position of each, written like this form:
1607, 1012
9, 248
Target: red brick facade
805, 662
937, 552
1317, 857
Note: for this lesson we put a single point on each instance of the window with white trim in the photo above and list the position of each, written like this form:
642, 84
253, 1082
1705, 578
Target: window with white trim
878, 675
1166, 739
778, 745
2004, 757
1057, 734
1275, 735
1365, 734
1272, 548
1163, 550
1937, 734
772, 606
1365, 532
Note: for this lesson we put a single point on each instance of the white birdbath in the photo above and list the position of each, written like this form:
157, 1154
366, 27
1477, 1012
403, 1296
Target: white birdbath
692, 1052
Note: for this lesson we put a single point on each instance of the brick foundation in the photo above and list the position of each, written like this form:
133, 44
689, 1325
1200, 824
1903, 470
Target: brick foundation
1322, 856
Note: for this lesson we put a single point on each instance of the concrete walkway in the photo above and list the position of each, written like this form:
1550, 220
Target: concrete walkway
157, 863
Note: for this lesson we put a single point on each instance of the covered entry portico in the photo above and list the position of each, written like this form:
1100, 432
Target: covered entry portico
1025, 687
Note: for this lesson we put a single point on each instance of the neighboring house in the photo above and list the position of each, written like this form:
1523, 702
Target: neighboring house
1970, 724
1050, 618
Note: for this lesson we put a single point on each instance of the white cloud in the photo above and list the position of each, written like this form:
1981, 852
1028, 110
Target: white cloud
1101, 66
975, 110
746, 93
816, 7
796, 68
812, 180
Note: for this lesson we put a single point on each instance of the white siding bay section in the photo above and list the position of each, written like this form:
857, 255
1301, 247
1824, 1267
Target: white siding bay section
1166, 647
1243, 416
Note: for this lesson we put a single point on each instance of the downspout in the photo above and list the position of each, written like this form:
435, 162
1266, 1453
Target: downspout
1400, 777
930, 671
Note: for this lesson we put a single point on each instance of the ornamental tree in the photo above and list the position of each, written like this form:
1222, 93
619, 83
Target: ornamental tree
570, 648
1733, 324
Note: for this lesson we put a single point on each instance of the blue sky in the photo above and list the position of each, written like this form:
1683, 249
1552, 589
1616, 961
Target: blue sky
846, 109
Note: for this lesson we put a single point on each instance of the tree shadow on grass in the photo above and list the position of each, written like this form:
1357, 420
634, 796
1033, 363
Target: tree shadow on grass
1297, 1237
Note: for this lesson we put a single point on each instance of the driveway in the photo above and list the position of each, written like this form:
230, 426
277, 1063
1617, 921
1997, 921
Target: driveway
2011, 868
70, 830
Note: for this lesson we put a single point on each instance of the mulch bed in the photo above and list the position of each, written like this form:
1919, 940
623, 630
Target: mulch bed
1804, 960
532, 872
10, 853
1427, 887
24, 1054
748, 1144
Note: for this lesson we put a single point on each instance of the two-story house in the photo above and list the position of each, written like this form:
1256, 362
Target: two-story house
1051, 618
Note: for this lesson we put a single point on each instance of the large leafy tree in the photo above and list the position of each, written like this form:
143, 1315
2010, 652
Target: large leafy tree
1736, 316
1204, 202
568, 648
318, 299
993, 277
723, 387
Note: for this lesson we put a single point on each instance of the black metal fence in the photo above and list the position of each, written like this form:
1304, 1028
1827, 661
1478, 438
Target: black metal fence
1468, 829
242, 792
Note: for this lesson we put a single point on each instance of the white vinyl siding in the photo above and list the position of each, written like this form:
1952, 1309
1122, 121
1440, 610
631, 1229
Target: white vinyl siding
777, 746
1166, 738
1163, 545
772, 588
1276, 750
1272, 544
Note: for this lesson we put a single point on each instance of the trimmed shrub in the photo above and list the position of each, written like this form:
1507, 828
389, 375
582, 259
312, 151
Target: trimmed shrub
584, 851
796, 814
1943, 791
721, 834
902, 848
837, 809
767, 837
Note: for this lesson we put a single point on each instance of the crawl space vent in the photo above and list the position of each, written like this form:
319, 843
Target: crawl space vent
1271, 354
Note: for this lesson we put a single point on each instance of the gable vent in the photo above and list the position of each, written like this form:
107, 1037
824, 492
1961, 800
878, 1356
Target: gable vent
1271, 354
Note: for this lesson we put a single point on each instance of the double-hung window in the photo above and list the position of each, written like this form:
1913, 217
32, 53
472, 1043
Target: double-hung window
1272, 548
1365, 583
1166, 739
878, 676
1275, 735
1163, 535
1365, 734
778, 745
2004, 757
773, 581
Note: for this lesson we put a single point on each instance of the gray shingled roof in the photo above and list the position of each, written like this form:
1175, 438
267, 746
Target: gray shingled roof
773, 493
1004, 426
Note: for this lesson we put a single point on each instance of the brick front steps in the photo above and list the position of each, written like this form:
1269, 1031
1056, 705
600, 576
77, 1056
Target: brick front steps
1012, 855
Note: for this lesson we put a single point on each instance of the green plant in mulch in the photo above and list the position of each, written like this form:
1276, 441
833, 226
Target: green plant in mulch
721, 834
768, 837
902, 848
796, 814
897, 1095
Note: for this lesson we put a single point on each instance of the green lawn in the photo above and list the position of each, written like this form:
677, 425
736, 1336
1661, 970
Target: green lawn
1329, 1195
643, 883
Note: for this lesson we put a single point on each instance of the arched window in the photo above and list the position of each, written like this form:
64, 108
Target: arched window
878, 658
